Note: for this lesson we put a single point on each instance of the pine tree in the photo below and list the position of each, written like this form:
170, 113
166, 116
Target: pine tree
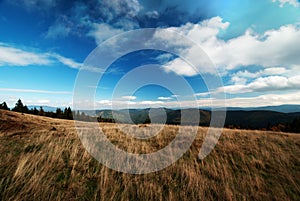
35, 111
41, 112
19, 107
3, 106
69, 113
59, 113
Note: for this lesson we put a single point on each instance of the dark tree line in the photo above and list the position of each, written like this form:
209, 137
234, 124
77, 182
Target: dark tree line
20, 107
65, 113
293, 127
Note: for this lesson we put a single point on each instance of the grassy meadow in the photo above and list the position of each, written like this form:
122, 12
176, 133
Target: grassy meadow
43, 159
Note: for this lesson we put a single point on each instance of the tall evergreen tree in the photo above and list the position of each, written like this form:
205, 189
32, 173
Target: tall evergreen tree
3, 106
41, 112
35, 111
19, 107
59, 113
69, 113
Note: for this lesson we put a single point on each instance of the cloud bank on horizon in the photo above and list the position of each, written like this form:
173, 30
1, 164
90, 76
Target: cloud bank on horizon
253, 44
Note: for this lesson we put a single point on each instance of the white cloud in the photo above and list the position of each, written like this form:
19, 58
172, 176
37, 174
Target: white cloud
104, 102
37, 102
121, 104
283, 2
276, 47
129, 97
103, 31
242, 77
17, 57
267, 50
275, 50
203, 32
263, 84
164, 57
164, 98
118, 16
34, 91
12, 56
67, 62
43, 101
180, 67
202, 94
274, 71
61, 28
146, 103
268, 99
264, 100
247, 74
152, 14
238, 80
127, 8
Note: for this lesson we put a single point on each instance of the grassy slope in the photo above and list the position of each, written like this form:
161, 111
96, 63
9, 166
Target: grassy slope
43, 159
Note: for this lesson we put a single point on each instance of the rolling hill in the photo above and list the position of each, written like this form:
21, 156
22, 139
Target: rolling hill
43, 159
256, 119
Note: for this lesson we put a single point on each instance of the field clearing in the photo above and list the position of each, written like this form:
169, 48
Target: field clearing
43, 159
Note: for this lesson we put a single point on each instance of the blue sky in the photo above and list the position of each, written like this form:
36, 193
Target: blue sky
253, 44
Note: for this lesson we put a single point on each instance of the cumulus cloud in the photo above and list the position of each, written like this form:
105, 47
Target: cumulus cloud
264, 84
276, 47
180, 67
196, 61
242, 77
274, 71
203, 32
273, 48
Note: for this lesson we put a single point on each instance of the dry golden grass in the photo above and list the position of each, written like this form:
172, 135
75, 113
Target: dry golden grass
43, 159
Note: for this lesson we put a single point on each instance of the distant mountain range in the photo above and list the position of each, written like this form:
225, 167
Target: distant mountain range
45, 108
280, 108
256, 119
251, 117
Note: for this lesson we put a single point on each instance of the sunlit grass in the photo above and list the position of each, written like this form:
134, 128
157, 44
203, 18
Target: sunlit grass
43, 159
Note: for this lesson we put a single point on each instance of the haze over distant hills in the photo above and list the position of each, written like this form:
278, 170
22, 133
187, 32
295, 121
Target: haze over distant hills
252, 119
279, 108
248, 117
45, 108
